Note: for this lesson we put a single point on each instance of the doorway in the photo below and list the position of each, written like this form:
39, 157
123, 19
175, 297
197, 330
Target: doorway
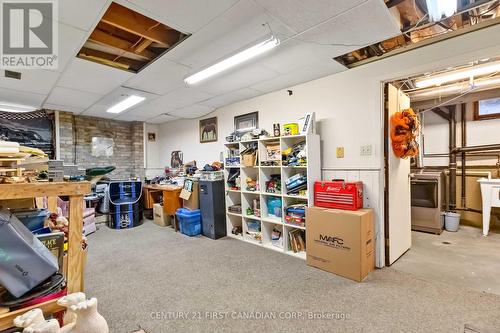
457, 109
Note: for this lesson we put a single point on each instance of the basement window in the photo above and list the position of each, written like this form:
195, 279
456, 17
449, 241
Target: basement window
487, 109
128, 40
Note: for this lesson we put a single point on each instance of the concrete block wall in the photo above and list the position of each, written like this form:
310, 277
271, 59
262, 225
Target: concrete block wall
76, 133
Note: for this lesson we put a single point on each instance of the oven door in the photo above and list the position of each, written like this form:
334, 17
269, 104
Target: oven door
424, 193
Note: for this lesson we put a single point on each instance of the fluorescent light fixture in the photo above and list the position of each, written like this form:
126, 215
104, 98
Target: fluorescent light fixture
16, 108
127, 103
233, 60
438, 8
457, 88
459, 74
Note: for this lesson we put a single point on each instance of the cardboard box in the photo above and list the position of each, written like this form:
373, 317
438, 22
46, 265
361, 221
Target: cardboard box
159, 216
193, 202
341, 241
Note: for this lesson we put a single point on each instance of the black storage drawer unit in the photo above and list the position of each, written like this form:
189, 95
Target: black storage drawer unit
213, 209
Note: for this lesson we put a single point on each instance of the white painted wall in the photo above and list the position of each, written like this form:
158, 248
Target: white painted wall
435, 131
154, 164
348, 108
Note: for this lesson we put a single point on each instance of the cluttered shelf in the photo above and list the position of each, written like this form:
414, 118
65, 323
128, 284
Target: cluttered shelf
75, 256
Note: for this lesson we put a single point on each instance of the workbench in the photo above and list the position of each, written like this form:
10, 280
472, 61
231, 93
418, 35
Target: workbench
75, 256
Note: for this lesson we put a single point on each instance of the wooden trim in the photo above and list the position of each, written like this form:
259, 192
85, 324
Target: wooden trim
33, 190
75, 252
478, 117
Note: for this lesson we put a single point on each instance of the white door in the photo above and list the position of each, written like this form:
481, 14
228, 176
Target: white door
398, 185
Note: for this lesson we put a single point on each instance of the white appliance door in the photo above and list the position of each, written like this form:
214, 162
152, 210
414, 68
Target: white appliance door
398, 182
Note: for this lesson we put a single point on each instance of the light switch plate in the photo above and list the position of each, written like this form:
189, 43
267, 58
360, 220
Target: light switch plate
366, 150
340, 152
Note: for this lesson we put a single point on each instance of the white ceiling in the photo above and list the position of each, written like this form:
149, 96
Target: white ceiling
311, 33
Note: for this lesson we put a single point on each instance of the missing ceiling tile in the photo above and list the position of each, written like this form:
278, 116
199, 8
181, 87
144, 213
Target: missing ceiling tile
128, 40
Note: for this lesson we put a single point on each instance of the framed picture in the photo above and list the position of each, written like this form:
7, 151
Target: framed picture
487, 109
152, 137
246, 122
208, 130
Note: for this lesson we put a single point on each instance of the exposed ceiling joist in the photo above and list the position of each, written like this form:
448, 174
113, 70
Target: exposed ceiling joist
101, 37
128, 20
109, 59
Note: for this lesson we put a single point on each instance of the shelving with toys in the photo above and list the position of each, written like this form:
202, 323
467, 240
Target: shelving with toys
268, 192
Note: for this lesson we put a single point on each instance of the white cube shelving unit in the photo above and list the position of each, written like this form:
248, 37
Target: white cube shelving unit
262, 174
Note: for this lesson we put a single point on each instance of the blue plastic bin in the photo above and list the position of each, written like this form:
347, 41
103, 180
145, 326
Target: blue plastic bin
33, 219
189, 221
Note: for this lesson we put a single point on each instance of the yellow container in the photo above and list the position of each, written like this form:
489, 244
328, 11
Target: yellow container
291, 129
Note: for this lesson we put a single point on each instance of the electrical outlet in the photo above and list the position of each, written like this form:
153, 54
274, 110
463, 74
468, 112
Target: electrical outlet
366, 150
340, 152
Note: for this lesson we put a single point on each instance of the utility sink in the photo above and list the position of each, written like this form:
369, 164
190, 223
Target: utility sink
490, 192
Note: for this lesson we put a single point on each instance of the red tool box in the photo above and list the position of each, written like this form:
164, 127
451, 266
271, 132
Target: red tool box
338, 194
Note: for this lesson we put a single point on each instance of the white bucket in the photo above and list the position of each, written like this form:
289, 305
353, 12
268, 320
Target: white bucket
452, 221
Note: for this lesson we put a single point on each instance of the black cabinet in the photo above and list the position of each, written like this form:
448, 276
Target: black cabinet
213, 209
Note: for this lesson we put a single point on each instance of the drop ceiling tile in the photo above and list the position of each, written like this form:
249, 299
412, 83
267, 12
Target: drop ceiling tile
182, 97
301, 15
119, 93
22, 97
161, 77
35, 80
237, 28
301, 75
161, 119
72, 98
71, 109
230, 98
71, 41
192, 111
81, 14
368, 23
92, 77
128, 117
189, 15
236, 78
149, 110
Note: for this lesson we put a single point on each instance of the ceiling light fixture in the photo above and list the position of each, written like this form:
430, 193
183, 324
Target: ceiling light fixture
127, 103
459, 74
456, 88
236, 59
16, 108
438, 8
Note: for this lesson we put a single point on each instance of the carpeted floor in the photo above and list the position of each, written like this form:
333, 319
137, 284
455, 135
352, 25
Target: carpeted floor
153, 278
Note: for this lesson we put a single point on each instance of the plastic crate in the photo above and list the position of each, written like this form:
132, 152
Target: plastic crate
189, 221
33, 219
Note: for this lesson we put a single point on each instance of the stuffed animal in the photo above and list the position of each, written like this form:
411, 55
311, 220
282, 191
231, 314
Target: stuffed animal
88, 320
67, 302
28, 319
49, 326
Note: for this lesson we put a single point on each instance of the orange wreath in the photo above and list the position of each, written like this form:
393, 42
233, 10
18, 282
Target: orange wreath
405, 127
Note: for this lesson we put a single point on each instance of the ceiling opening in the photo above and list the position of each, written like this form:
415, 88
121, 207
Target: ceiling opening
418, 29
128, 40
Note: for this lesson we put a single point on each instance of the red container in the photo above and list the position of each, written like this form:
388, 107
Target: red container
338, 194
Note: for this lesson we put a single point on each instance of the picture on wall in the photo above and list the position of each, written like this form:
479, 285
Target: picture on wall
152, 137
31, 129
208, 130
246, 122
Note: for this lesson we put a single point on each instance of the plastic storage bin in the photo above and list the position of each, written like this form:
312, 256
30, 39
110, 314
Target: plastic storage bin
189, 221
33, 219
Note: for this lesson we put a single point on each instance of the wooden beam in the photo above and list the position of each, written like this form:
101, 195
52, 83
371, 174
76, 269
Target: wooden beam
128, 20
101, 37
142, 46
109, 59
32, 190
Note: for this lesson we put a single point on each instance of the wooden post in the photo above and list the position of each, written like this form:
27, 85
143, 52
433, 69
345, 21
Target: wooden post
52, 204
75, 252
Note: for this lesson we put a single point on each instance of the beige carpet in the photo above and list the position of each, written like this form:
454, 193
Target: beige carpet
155, 279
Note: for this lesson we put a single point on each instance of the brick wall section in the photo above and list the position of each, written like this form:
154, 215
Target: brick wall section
76, 133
